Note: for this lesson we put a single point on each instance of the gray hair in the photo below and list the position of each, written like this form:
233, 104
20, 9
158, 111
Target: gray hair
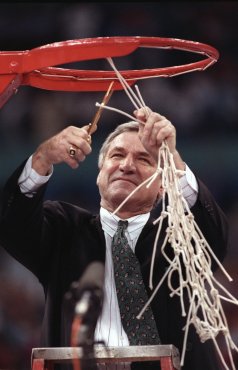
131, 126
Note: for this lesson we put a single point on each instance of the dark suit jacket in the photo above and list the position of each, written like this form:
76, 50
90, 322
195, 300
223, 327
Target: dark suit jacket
57, 241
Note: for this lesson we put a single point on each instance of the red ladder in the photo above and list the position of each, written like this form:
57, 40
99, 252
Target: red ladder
168, 355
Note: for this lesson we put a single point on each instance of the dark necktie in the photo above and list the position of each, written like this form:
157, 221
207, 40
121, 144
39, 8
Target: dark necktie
131, 292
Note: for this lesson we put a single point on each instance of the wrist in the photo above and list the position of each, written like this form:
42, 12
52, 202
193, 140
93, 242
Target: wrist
179, 163
40, 164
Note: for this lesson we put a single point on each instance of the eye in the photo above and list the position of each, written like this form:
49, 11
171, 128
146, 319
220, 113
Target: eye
116, 155
145, 160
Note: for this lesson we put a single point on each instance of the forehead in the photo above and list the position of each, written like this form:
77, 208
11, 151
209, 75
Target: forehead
128, 141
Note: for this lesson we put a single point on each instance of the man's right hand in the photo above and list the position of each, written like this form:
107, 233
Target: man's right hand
57, 149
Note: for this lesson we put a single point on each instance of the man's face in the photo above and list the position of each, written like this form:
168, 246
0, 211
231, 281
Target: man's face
126, 165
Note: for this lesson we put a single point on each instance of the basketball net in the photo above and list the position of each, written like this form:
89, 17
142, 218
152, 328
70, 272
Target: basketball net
192, 254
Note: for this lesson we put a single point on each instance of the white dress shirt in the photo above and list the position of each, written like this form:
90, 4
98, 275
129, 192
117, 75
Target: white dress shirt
109, 327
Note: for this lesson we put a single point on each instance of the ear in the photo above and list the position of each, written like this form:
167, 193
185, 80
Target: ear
98, 177
160, 193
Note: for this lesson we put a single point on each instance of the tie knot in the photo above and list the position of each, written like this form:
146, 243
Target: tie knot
122, 224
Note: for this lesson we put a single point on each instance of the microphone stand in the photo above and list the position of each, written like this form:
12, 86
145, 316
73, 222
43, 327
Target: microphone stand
85, 336
87, 297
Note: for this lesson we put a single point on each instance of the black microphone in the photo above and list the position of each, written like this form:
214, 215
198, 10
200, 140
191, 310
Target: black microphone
84, 300
89, 294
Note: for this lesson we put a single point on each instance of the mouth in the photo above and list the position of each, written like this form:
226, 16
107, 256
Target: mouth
125, 180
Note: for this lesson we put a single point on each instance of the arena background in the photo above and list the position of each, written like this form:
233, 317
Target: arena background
202, 105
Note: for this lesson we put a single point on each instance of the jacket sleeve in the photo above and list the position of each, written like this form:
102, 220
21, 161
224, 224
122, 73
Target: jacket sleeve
21, 222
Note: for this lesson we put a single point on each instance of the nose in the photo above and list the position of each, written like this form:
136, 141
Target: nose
127, 164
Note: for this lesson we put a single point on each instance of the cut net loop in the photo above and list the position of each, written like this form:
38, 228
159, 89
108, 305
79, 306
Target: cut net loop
192, 261
36, 67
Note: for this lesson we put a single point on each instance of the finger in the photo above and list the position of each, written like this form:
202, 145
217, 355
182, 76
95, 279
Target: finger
79, 138
142, 113
79, 132
75, 154
153, 124
73, 159
91, 128
161, 131
82, 145
84, 133
75, 150
79, 155
166, 133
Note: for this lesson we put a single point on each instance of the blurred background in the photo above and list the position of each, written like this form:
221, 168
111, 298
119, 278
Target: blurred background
202, 105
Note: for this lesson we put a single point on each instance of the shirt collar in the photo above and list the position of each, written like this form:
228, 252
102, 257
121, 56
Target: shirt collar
135, 224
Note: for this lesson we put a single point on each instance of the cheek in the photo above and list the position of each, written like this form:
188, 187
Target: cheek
105, 173
156, 188
102, 178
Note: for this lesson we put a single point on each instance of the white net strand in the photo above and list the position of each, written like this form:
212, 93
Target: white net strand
118, 111
192, 260
189, 247
128, 90
137, 101
142, 100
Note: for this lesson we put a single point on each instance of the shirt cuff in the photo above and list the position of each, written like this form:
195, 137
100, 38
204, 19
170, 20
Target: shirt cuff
189, 187
30, 181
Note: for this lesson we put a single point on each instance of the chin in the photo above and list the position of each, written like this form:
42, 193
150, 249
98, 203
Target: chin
117, 200
115, 194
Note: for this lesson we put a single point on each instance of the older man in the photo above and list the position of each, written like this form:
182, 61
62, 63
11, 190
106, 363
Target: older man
57, 240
